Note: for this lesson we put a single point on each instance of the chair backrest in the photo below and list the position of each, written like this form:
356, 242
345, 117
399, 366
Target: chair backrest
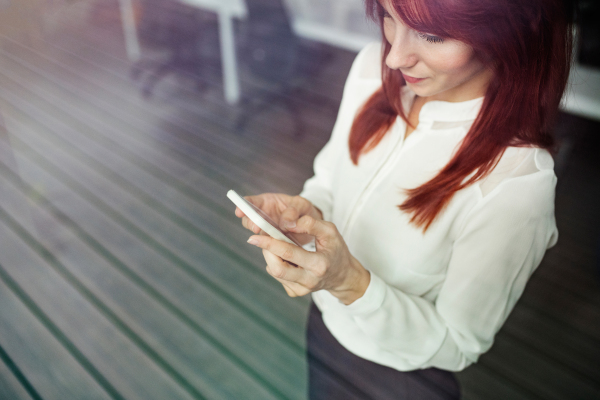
270, 46
166, 23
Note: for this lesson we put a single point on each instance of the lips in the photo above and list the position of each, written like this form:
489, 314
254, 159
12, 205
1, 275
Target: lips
410, 79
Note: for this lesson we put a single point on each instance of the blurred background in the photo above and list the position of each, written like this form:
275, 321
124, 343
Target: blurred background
124, 273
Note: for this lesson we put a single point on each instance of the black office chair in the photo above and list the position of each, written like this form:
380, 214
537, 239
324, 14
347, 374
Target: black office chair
184, 33
277, 60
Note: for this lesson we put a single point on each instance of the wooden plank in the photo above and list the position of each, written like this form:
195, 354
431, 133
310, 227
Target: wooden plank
140, 370
244, 234
179, 345
137, 110
536, 372
52, 371
562, 342
161, 225
478, 382
560, 268
13, 384
131, 178
560, 304
186, 251
228, 211
106, 353
210, 156
297, 367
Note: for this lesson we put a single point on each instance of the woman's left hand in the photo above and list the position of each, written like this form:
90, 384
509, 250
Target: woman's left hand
331, 267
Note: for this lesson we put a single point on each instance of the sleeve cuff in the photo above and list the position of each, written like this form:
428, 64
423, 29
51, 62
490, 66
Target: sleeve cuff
371, 300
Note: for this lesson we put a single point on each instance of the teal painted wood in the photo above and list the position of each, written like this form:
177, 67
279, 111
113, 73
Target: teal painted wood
53, 366
44, 149
228, 274
207, 143
197, 293
83, 324
13, 382
203, 216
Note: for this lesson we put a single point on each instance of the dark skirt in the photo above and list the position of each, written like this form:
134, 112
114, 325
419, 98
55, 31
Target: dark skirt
337, 374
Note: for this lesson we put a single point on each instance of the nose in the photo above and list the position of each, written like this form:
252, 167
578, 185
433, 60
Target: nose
403, 53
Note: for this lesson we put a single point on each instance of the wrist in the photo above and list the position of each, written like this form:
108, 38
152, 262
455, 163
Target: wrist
357, 283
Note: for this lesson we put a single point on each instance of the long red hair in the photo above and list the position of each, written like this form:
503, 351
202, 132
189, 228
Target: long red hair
527, 43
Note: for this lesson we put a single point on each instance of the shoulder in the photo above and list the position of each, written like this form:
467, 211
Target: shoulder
366, 68
521, 166
367, 64
518, 196
363, 79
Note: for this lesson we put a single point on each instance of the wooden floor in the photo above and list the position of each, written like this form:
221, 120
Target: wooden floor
125, 275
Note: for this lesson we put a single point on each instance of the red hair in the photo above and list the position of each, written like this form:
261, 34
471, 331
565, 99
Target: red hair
527, 44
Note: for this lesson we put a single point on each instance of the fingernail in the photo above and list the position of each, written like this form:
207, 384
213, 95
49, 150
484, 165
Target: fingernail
290, 224
253, 241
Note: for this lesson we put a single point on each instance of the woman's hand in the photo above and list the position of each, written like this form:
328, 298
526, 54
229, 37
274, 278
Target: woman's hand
331, 267
283, 209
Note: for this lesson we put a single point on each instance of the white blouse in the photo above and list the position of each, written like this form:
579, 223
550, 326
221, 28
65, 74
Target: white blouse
435, 299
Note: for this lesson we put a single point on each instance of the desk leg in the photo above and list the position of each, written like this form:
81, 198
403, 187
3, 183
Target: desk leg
132, 44
228, 60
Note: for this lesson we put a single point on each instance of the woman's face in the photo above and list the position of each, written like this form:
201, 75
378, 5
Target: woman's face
433, 67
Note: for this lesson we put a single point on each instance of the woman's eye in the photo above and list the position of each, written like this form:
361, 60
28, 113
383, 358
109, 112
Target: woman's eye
386, 14
431, 38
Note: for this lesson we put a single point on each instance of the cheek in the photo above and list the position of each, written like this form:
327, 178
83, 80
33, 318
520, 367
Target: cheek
454, 60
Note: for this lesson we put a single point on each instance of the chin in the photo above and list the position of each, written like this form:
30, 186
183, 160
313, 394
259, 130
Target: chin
421, 92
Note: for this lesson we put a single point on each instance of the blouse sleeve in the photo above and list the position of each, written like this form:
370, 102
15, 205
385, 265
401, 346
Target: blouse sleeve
501, 243
363, 80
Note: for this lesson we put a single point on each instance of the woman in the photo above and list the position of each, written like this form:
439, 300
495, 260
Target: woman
433, 201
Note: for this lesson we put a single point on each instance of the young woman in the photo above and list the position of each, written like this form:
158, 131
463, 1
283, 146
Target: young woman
433, 201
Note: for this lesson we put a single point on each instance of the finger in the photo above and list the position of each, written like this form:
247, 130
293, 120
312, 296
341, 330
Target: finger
314, 227
288, 218
251, 226
280, 269
305, 207
247, 222
239, 213
288, 252
258, 200
293, 289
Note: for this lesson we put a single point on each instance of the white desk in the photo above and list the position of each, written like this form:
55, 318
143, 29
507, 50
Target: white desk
132, 44
226, 10
340, 23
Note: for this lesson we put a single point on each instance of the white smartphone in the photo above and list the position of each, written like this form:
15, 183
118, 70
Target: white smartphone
261, 219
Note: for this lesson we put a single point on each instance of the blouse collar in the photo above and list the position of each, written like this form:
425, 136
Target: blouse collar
445, 111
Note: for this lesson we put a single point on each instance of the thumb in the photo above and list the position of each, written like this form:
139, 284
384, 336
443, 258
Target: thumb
314, 227
288, 218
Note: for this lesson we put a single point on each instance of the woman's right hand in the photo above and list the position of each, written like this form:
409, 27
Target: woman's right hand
283, 209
